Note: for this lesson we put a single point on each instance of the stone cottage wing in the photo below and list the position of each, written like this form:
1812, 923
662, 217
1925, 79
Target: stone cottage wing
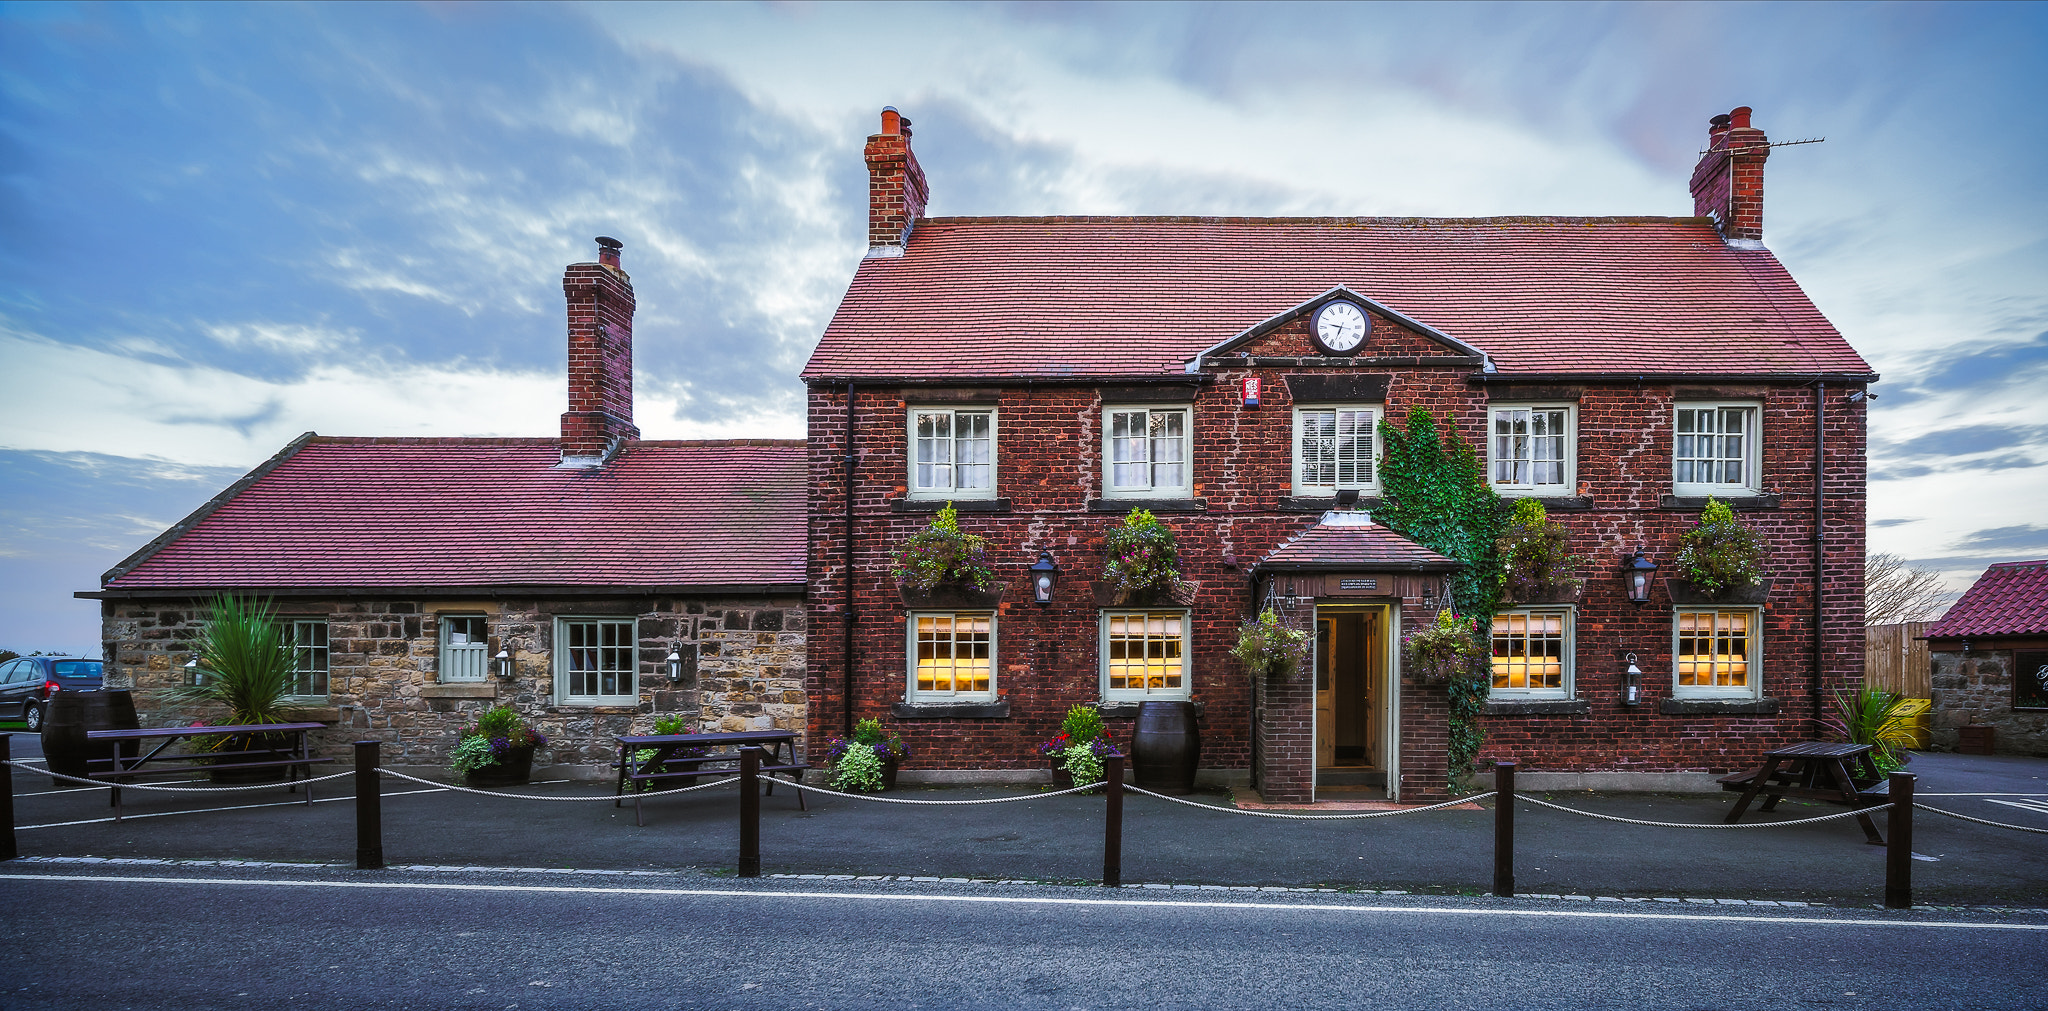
420, 513
2010, 598
1079, 297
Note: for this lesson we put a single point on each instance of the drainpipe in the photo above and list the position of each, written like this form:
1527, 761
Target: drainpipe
847, 612
1820, 415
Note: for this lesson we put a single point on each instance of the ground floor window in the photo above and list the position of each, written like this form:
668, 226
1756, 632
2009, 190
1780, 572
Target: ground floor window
465, 648
308, 639
952, 656
1532, 653
1714, 653
594, 661
1144, 655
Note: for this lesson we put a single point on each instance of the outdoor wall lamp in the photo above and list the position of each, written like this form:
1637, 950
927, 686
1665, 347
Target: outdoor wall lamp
1632, 683
1347, 498
1638, 571
195, 675
675, 665
503, 662
1045, 574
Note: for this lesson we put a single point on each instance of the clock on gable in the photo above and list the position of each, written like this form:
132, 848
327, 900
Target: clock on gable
1339, 327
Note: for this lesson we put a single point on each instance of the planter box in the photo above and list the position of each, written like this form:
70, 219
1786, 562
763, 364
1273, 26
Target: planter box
1553, 595
1109, 594
944, 596
1683, 592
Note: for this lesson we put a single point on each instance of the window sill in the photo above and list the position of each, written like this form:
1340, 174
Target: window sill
1551, 503
1126, 709
997, 710
460, 690
1538, 707
1313, 504
602, 708
1718, 707
1157, 505
965, 505
1734, 500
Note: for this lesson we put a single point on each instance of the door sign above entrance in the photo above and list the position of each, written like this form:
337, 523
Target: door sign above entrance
1358, 584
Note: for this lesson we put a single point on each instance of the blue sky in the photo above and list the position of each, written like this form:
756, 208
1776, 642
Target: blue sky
221, 225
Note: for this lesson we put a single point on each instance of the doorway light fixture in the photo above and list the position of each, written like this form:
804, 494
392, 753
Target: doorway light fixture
1638, 570
1632, 684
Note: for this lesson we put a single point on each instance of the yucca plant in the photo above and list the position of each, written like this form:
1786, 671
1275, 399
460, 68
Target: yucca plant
1874, 717
246, 664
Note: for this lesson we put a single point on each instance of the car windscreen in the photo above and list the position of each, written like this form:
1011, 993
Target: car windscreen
77, 668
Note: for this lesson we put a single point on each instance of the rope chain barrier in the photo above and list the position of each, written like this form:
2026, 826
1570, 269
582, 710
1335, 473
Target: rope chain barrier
534, 796
106, 783
1684, 824
944, 803
1313, 817
1981, 821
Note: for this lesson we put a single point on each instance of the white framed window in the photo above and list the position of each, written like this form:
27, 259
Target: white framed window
952, 656
1532, 449
952, 453
465, 648
1715, 652
308, 640
1532, 653
1336, 447
1716, 449
1145, 452
595, 661
1144, 655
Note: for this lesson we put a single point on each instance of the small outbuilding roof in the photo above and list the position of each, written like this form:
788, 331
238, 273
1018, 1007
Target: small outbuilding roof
2010, 598
1353, 542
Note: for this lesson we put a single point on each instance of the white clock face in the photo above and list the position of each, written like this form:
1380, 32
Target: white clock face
1341, 326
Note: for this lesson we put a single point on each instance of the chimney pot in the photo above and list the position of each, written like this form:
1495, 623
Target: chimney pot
1718, 123
1739, 117
891, 121
608, 250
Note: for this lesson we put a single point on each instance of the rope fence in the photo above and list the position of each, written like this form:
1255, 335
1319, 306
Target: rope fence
102, 783
1095, 787
1313, 817
452, 788
1982, 821
1853, 813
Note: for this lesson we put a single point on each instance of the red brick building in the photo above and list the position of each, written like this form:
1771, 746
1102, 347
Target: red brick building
1047, 375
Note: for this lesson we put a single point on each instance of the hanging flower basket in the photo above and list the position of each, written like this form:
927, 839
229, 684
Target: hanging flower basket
1142, 564
1445, 651
1720, 556
1268, 648
1536, 560
942, 565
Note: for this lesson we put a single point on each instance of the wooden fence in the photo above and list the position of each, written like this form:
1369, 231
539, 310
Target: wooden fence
1895, 660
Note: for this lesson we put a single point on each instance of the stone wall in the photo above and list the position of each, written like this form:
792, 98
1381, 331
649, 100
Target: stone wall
1977, 689
743, 669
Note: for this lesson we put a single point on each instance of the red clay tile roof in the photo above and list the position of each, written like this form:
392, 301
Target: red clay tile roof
496, 512
2010, 598
1351, 542
1116, 296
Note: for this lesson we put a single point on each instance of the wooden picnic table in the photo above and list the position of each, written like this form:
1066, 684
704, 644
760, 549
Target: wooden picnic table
1814, 770
686, 756
268, 746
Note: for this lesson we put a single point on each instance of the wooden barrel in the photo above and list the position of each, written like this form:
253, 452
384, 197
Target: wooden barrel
71, 715
1166, 748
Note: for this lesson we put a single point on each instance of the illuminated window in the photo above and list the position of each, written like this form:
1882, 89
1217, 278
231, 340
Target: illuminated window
953, 453
1532, 653
1530, 451
1334, 448
952, 655
1714, 653
1144, 654
595, 660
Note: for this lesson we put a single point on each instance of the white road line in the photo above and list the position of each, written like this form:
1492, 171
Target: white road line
210, 810
1021, 901
2040, 806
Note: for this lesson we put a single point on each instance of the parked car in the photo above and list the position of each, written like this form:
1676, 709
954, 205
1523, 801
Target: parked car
26, 684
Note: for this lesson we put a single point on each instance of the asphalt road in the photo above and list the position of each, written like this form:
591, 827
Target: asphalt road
305, 938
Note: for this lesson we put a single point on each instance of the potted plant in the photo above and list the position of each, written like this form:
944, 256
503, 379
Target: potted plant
1719, 561
1881, 719
1536, 558
1076, 753
652, 760
1143, 562
1268, 648
246, 667
1444, 651
867, 761
942, 564
497, 750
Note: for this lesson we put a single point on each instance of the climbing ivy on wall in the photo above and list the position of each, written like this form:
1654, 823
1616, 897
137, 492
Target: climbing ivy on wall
1435, 493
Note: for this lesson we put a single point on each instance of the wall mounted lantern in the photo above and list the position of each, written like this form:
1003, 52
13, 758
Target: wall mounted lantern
503, 663
1045, 574
675, 665
195, 675
1632, 683
1638, 572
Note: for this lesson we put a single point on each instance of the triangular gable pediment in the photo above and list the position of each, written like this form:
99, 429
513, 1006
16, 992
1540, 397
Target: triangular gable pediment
1272, 324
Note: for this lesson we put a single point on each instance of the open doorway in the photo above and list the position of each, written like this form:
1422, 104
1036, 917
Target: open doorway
1352, 728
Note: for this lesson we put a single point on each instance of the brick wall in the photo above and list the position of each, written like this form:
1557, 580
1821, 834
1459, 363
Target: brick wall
600, 311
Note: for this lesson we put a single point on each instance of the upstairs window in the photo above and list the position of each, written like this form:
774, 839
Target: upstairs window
1714, 653
1531, 449
1336, 448
1715, 450
308, 640
1145, 451
953, 453
952, 657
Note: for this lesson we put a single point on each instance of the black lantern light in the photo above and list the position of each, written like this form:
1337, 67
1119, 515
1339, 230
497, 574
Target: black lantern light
503, 663
675, 665
1632, 682
195, 675
1045, 574
1638, 572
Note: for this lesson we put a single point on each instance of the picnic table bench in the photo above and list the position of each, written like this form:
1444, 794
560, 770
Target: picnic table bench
286, 749
649, 760
1814, 770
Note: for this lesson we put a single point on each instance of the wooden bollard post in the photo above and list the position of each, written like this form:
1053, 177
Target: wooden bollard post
1504, 829
1113, 822
750, 812
1898, 856
7, 850
369, 809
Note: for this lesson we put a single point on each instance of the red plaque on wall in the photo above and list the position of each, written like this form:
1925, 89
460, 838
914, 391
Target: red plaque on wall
1250, 387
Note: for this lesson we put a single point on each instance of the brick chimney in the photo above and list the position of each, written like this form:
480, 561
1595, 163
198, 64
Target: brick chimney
600, 415
896, 187
1728, 182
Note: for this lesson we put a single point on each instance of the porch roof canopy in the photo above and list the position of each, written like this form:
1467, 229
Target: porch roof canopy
1352, 542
